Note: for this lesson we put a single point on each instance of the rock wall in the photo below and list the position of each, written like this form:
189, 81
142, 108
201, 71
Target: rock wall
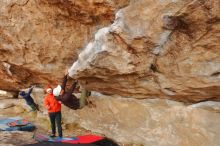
153, 122
144, 122
153, 49
167, 49
40, 38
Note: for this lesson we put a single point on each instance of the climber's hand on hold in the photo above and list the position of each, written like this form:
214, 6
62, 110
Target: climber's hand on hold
33, 86
66, 72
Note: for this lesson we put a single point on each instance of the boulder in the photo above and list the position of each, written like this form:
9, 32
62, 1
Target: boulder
156, 49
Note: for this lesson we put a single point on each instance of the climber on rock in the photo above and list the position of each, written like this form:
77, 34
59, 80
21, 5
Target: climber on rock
29, 100
65, 95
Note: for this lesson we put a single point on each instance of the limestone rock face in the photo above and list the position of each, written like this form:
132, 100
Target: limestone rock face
15, 138
167, 49
40, 38
148, 122
153, 122
8, 95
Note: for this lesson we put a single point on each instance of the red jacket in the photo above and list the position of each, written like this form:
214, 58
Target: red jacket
51, 103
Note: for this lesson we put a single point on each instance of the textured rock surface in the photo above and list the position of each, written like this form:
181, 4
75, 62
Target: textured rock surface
16, 138
40, 38
166, 49
8, 95
150, 122
153, 122
6, 105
